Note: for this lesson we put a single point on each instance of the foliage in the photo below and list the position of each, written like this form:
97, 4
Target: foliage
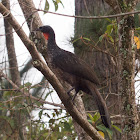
14, 102
95, 121
107, 34
55, 2
61, 128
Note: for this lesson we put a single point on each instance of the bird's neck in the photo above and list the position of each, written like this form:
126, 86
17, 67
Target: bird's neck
51, 40
52, 44
52, 47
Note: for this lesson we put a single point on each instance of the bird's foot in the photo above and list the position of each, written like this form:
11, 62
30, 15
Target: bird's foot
70, 92
72, 97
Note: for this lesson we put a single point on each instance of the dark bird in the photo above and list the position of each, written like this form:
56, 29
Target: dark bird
74, 71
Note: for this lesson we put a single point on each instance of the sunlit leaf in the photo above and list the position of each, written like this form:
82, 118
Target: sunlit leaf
55, 5
117, 128
137, 28
109, 29
137, 41
90, 116
101, 38
58, 1
96, 116
109, 20
101, 133
86, 38
111, 39
47, 6
75, 40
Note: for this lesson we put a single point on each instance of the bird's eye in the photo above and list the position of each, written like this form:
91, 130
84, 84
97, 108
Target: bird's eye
40, 28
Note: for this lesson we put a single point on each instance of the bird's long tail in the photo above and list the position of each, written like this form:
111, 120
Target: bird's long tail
101, 105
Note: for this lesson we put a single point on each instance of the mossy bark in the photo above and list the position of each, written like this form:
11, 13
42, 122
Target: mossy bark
129, 116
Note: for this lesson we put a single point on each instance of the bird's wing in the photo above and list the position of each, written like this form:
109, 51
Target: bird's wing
70, 63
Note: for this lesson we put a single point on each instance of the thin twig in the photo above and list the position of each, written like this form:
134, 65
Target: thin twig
92, 17
27, 94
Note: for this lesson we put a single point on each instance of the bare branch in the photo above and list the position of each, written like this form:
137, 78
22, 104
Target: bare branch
92, 17
16, 88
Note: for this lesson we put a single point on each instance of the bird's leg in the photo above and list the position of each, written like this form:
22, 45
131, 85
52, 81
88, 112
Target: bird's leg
74, 95
76, 92
70, 91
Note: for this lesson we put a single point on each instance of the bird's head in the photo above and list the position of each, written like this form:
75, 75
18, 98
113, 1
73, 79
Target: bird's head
47, 31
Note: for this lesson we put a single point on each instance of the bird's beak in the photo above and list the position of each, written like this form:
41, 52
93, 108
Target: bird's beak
37, 29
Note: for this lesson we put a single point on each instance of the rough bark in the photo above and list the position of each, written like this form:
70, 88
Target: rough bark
13, 66
129, 115
33, 21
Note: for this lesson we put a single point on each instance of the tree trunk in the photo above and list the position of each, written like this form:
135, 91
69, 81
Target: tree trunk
129, 116
13, 66
130, 121
15, 75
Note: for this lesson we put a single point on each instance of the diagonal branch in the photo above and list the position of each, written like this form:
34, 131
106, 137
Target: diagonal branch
44, 69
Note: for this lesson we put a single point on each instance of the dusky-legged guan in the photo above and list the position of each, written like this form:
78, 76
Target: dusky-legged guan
75, 72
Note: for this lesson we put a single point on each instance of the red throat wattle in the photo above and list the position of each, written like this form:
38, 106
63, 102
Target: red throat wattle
46, 36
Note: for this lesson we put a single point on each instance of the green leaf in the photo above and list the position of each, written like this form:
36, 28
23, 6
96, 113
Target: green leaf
109, 132
48, 94
101, 38
90, 116
86, 39
109, 20
56, 5
67, 126
101, 128
62, 4
90, 121
7, 93
40, 114
47, 6
137, 28
117, 128
105, 130
58, 1
109, 29
53, 114
111, 39
75, 40
28, 84
96, 116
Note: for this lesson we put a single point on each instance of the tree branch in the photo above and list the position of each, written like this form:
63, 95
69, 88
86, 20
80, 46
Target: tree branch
44, 69
92, 17
16, 88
